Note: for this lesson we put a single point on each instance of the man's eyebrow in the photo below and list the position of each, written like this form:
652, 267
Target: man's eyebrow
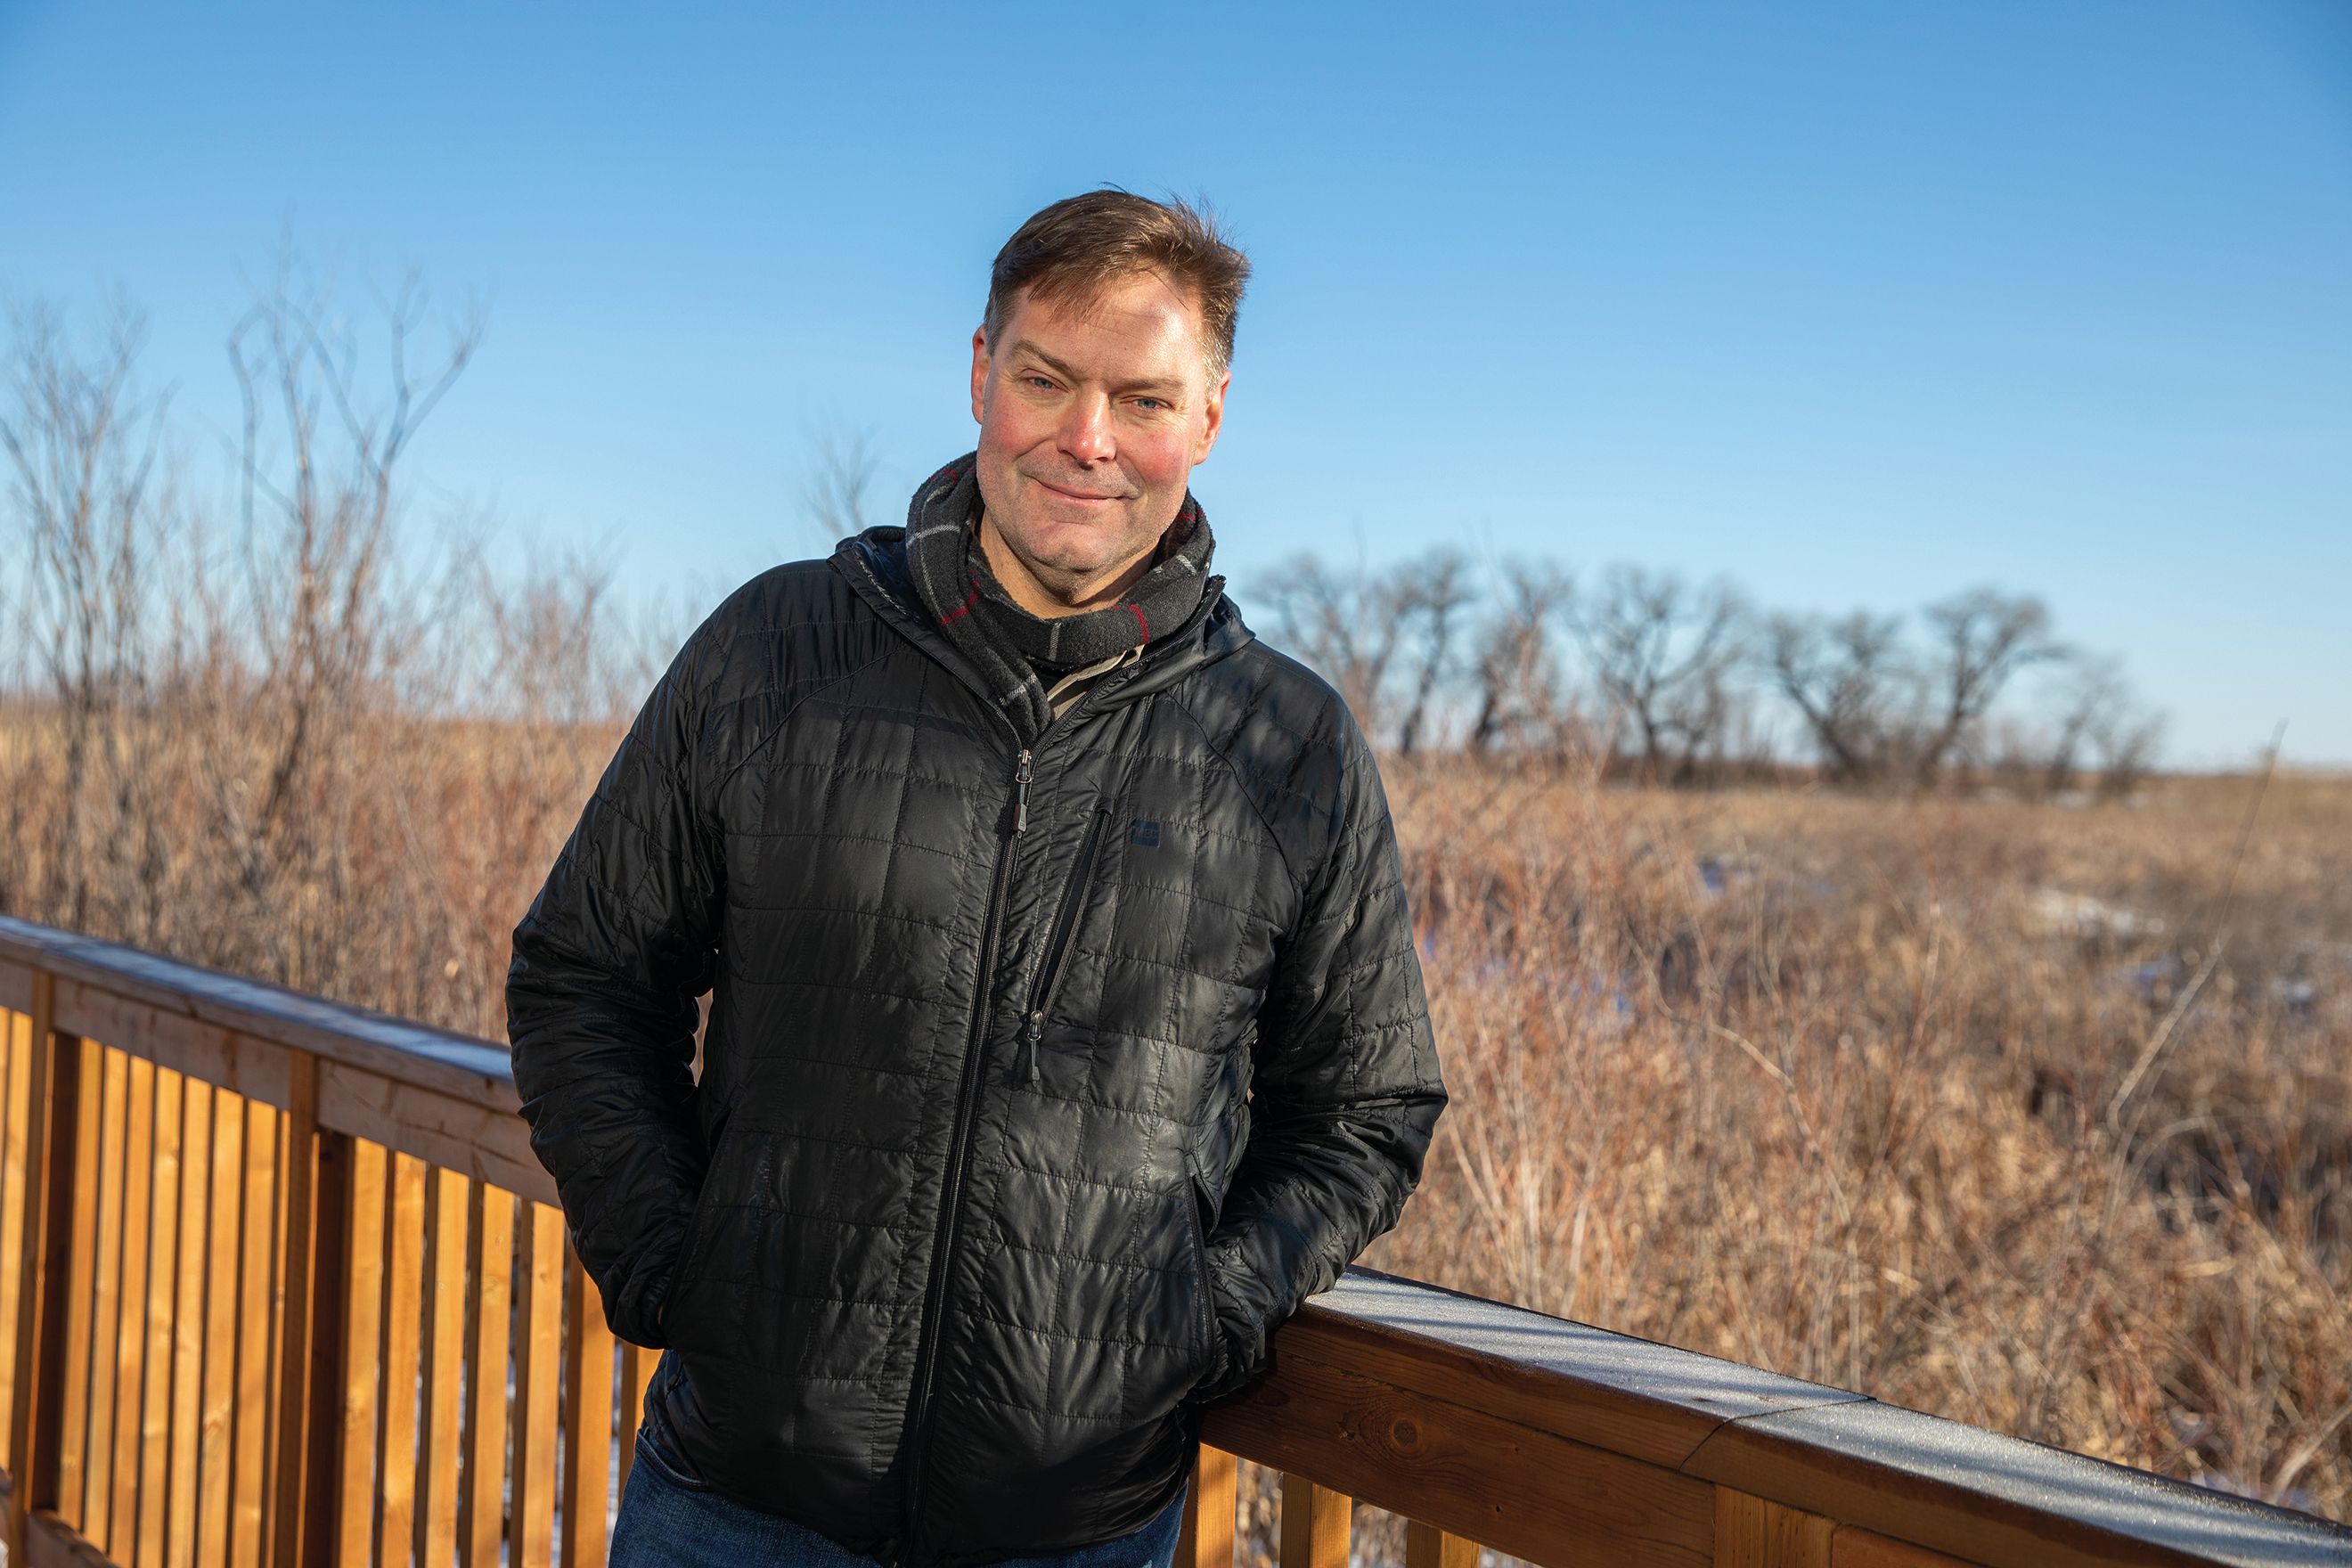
1069, 372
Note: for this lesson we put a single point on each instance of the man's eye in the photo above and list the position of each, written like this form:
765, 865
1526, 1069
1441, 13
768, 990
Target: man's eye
1039, 382
1152, 405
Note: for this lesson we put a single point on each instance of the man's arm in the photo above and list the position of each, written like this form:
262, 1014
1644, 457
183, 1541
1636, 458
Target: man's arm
1346, 1089
600, 1006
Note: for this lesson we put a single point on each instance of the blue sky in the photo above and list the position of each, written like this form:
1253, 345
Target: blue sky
1857, 304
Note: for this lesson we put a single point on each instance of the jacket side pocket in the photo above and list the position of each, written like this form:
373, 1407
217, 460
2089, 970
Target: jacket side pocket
1207, 1351
691, 1248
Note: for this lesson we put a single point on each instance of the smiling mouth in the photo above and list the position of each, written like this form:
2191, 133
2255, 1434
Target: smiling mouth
1071, 495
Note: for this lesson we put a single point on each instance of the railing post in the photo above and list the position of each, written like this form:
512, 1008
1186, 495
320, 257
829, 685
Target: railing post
52, 1117
316, 1338
1755, 1532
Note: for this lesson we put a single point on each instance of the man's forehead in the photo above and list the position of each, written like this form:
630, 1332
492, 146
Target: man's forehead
1131, 312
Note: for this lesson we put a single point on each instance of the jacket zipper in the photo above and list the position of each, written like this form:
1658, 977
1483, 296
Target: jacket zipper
1058, 948
919, 1436
967, 1102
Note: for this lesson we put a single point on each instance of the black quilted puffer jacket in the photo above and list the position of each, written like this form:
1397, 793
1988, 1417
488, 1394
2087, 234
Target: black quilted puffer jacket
1039, 1083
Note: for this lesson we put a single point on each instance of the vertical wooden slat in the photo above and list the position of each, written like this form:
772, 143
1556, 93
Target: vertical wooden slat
491, 1258
1751, 1532
355, 1500
443, 1313
588, 1410
257, 1268
129, 1343
131, 1339
1315, 1524
215, 1444
291, 1356
637, 1365
273, 1435
162, 1294
105, 1315
1426, 1546
539, 1317
15, 1200
310, 1354
188, 1325
396, 1354
81, 1275
54, 1086
1206, 1537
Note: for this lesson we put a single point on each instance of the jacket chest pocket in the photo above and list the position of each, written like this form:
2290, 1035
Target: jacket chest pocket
1061, 936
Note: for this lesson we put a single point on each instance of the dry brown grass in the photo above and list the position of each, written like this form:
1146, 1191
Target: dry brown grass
1850, 1117
1847, 1117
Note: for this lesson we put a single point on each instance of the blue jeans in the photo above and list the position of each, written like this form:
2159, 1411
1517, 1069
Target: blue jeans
667, 1521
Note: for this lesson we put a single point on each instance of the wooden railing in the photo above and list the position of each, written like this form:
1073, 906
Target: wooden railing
284, 1285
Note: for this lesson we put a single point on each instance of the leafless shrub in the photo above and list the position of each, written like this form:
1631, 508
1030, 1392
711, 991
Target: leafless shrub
257, 741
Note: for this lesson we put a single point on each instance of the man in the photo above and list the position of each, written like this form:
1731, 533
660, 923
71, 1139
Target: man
1066, 1026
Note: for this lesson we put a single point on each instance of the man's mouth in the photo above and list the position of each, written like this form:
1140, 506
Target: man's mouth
1069, 494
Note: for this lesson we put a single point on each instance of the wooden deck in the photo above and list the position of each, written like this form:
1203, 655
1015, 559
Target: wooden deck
284, 1285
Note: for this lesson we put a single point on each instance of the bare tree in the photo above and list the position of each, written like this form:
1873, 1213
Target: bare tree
2088, 687
1844, 680
2123, 740
841, 473
1435, 596
1662, 654
318, 465
1519, 698
83, 448
1983, 637
1347, 626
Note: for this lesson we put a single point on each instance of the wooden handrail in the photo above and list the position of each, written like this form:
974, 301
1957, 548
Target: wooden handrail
372, 1207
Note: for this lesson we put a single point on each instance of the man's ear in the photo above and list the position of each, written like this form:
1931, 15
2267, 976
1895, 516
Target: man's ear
979, 374
1213, 409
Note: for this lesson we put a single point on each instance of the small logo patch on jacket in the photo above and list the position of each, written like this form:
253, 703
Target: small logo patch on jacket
1144, 834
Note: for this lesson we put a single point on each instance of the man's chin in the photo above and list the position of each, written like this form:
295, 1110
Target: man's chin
1061, 544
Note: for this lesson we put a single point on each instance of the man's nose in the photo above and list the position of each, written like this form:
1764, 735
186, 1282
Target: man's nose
1087, 434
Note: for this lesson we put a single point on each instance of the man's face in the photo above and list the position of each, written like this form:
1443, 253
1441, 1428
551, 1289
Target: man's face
1092, 412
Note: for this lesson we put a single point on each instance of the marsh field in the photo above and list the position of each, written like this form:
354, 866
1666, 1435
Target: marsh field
2033, 1115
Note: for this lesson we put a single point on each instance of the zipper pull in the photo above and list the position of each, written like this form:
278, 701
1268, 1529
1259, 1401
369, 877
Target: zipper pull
1021, 781
1029, 1031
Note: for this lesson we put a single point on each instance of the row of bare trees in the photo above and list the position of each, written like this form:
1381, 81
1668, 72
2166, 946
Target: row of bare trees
1683, 683
236, 671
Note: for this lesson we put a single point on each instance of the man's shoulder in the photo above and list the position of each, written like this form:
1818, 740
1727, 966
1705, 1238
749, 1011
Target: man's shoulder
793, 624
1275, 703
783, 594
1291, 741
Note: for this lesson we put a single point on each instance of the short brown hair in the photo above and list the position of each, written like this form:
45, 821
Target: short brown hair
1069, 249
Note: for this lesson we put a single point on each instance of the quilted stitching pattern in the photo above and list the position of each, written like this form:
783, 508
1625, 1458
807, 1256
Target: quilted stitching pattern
807, 819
